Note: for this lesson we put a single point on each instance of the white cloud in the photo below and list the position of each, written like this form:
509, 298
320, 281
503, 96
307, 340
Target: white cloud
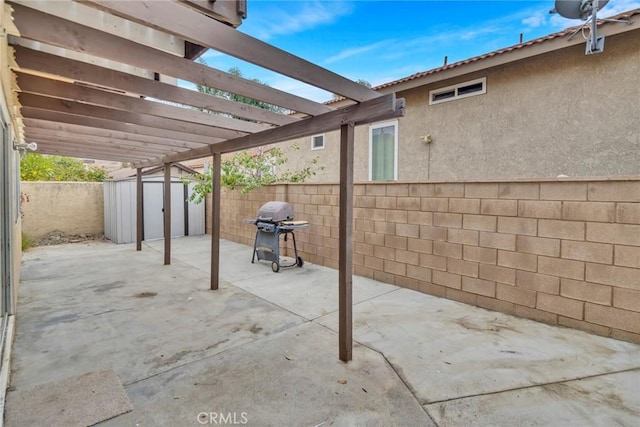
560, 22
348, 53
476, 32
618, 6
298, 17
537, 20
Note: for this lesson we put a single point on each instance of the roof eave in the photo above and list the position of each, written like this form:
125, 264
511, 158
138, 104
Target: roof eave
529, 49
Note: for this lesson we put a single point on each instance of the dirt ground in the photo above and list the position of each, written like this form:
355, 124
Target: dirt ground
59, 237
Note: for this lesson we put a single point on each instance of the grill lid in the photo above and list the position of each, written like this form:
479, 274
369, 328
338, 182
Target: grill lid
275, 212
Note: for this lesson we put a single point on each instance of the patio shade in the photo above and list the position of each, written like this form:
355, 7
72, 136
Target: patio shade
75, 102
89, 84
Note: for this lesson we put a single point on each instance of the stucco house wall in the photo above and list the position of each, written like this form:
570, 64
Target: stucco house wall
557, 113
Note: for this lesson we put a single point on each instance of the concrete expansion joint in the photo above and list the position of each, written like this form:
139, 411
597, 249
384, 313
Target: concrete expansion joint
401, 377
356, 304
506, 390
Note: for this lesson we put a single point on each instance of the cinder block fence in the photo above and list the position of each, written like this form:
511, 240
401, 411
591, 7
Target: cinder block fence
561, 252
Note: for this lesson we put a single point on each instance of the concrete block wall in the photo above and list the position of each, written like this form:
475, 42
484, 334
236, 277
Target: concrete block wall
561, 252
235, 207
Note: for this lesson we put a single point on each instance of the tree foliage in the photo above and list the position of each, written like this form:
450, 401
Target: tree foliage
39, 167
247, 171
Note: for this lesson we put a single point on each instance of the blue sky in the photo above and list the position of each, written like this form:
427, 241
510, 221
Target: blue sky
381, 41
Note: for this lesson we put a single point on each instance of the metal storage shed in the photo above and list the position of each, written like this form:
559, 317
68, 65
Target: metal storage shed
120, 207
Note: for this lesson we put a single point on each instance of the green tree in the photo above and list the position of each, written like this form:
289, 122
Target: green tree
248, 171
39, 167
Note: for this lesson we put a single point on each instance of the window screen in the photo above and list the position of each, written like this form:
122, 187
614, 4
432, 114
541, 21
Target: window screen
383, 151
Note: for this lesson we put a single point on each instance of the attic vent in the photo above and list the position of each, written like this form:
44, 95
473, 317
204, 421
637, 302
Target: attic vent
461, 90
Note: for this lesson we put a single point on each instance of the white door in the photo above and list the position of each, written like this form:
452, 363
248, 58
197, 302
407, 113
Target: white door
177, 209
153, 216
152, 196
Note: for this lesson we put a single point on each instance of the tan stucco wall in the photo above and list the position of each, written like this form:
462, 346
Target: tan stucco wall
560, 113
70, 207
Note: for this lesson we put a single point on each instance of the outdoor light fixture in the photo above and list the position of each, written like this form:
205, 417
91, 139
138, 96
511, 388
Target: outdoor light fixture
22, 148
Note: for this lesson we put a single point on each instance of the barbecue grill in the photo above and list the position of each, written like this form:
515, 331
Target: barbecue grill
275, 219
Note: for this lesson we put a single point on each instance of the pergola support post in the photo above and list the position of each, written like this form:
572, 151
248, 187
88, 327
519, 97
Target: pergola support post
215, 221
345, 273
138, 209
167, 213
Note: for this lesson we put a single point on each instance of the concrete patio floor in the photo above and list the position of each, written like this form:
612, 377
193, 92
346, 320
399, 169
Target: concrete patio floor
264, 346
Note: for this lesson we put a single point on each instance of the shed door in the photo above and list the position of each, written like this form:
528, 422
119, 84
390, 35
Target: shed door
153, 199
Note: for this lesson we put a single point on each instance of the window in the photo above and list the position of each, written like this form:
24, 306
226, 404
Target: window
461, 90
383, 152
317, 142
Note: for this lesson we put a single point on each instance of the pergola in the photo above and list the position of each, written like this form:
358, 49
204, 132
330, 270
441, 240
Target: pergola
76, 106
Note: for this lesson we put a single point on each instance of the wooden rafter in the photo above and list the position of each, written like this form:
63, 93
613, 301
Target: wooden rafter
67, 34
81, 109
47, 147
29, 59
83, 146
109, 134
91, 140
78, 109
98, 123
54, 126
382, 108
195, 27
63, 90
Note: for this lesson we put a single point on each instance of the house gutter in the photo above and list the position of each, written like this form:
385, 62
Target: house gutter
529, 49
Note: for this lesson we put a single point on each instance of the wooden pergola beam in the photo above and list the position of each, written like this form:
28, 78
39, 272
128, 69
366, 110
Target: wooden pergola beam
226, 11
215, 221
197, 28
105, 124
46, 147
382, 108
97, 122
32, 60
139, 209
52, 126
345, 244
84, 149
58, 89
101, 140
82, 141
167, 213
80, 109
39, 26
